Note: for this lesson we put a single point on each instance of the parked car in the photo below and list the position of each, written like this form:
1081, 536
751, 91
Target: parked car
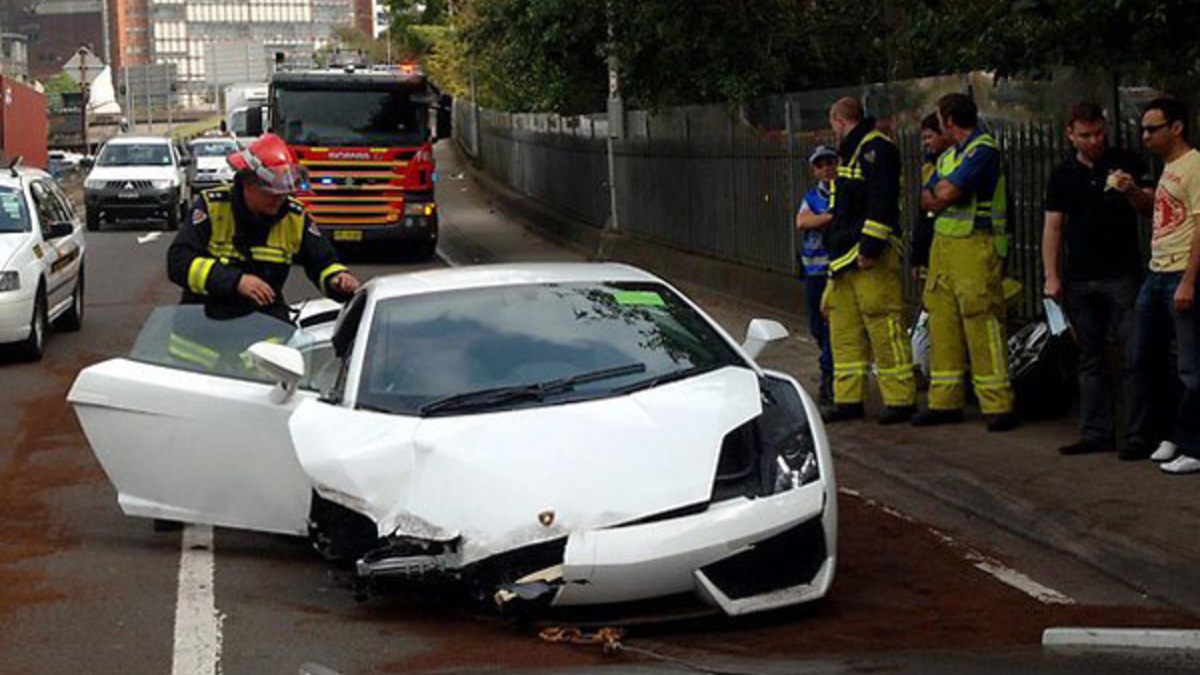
212, 168
41, 260
544, 434
61, 163
137, 178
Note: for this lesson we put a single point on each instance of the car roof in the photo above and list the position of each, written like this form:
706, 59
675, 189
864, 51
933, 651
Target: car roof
7, 179
488, 276
131, 140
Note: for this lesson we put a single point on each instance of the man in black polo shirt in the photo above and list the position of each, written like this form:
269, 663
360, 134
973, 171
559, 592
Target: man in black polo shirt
1092, 201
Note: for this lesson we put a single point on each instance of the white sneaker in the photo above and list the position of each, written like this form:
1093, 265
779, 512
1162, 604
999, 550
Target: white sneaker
1166, 452
1182, 464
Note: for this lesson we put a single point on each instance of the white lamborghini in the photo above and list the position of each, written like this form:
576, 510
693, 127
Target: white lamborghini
546, 435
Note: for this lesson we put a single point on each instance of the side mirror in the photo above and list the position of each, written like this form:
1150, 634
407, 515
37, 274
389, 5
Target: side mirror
59, 230
281, 362
186, 161
87, 162
760, 333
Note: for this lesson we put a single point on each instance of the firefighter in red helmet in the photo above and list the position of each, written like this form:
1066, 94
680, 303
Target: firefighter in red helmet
234, 252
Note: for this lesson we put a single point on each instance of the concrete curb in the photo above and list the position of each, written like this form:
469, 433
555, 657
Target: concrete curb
1131, 562
1122, 638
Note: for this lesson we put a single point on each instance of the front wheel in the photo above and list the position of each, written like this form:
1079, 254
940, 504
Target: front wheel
72, 320
426, 250
34, 346
93, 220
174, 216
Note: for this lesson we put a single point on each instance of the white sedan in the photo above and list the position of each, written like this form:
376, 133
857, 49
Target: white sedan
41, 260
543, 435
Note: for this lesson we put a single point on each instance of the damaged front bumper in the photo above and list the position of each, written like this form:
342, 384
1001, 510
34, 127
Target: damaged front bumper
742, 555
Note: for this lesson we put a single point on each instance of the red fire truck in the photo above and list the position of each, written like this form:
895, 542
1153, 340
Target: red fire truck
364, 136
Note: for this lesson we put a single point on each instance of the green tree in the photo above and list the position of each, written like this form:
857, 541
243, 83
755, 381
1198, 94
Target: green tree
62, 83
550, 55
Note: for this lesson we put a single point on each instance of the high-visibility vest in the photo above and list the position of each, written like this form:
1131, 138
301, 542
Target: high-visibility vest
813, 255
965, 217
282, 244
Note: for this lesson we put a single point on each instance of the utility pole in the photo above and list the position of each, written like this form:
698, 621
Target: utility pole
132, 116
83, 107
616, 119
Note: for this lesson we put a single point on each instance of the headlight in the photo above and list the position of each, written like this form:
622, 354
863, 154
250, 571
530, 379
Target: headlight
164, 183
10, 281
93, 184
771, 453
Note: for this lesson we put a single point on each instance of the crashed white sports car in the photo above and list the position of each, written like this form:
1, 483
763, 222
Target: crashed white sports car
547, 435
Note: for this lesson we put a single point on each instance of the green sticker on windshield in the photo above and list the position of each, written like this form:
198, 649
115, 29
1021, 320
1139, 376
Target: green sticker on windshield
638, 298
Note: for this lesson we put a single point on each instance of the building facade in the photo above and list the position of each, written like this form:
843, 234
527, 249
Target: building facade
40, 35
180, 31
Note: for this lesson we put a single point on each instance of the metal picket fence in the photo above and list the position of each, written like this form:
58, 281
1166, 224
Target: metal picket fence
724, 181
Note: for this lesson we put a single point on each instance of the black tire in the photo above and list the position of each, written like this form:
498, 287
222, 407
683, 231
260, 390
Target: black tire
34, 346
93, 220
72, 320
426, 250
173, 217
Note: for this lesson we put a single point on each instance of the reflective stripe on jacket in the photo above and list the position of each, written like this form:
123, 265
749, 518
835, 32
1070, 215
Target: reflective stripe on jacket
813, 255
865, 199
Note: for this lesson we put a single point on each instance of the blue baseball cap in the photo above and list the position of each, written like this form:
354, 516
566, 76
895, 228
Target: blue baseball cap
821, 152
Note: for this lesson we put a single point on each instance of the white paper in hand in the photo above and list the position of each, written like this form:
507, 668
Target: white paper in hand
1055, 319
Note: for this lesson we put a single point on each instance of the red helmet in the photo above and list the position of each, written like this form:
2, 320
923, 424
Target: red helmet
271, 162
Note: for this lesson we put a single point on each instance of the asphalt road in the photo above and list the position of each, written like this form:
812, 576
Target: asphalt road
84, 589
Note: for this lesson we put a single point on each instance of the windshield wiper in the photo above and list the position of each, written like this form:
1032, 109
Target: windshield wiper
672, 376
488, 398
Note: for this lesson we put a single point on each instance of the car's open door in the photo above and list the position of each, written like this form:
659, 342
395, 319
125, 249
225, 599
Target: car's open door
186, 428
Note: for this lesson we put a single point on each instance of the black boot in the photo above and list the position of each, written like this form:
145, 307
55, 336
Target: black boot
895, 414
1002, 422
934, 417
825, 396
842, 412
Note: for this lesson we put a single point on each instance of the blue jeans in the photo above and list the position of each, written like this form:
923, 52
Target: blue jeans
814, 288
1165, 407
1102, 310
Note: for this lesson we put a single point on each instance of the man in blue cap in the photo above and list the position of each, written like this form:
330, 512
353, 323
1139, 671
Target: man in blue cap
811, 221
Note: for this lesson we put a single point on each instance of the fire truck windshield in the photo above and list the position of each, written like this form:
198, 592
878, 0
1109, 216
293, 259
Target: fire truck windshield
340, 117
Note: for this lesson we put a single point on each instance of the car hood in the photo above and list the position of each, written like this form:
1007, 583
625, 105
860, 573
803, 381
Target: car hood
117, 173
10, 243
505, 479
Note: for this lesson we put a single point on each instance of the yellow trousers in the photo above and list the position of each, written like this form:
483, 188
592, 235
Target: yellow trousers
965, 300
865, 309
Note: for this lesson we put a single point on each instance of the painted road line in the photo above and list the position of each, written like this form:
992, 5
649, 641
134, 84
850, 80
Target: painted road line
983, 563
197, 624
1145, 638
149, 237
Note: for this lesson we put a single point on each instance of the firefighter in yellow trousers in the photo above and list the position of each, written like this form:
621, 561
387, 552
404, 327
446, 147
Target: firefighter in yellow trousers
963, 293
864, 298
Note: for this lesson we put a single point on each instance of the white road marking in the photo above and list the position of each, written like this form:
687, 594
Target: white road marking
197, 623
149, 237
995, 568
